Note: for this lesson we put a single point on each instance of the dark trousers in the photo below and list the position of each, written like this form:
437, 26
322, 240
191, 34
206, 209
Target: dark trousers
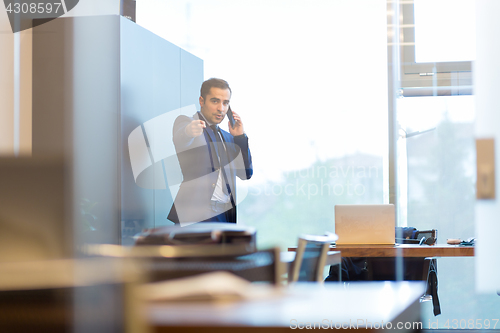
227, 217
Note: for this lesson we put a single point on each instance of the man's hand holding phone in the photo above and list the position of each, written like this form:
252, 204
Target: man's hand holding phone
235, 124
230, 116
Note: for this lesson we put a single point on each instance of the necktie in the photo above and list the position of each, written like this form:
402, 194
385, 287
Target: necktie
223, 159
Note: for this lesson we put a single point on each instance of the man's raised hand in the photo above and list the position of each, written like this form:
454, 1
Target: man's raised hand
195, 128
238, 126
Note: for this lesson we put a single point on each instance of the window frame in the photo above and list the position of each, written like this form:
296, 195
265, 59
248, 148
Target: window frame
430, 78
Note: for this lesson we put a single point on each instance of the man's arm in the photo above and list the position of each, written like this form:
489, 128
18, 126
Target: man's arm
244, 169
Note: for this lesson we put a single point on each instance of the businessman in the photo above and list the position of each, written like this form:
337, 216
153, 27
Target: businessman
210, 159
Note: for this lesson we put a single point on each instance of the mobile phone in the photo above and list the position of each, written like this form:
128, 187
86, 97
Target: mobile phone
230, 117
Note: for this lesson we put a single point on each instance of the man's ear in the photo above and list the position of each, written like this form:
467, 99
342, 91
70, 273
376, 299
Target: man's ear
202, 101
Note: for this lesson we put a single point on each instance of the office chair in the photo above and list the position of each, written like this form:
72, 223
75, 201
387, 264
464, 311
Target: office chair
310, 258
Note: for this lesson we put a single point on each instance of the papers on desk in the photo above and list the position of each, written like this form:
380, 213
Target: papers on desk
210, 286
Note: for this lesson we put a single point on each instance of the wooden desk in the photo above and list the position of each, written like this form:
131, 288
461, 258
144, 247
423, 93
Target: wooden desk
404, 250
381, 267
294, 307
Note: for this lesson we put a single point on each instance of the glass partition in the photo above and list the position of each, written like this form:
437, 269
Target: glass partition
312, 98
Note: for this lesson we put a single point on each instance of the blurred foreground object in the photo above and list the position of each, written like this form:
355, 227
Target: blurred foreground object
213, 286
177, 261
88, 295
35, 215
200, 233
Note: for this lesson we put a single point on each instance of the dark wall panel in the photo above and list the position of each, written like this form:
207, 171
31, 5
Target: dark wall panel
191, 79
152, 90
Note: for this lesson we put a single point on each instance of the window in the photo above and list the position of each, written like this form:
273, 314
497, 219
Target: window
437, 47
435, 149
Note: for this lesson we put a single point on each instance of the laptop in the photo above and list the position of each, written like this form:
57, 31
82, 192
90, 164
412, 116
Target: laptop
365, 224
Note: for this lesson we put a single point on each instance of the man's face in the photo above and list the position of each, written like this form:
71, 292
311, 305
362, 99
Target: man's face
214, 106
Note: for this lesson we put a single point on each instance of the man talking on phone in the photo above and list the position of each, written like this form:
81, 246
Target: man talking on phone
210, 159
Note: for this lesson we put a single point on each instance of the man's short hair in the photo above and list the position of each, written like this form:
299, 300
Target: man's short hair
213, 82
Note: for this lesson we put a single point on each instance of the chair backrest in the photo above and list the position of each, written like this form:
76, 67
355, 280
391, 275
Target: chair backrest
310, 258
